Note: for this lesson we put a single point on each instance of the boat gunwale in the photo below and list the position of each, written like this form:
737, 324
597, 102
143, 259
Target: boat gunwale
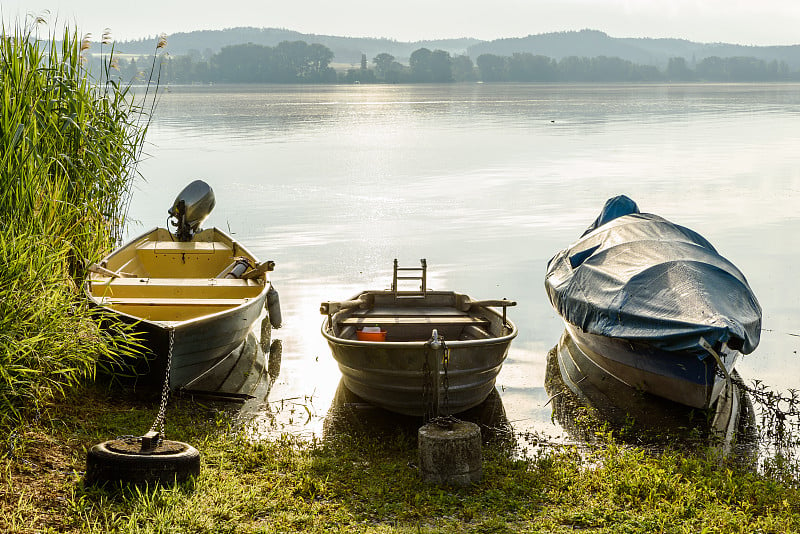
172, 325
454, 344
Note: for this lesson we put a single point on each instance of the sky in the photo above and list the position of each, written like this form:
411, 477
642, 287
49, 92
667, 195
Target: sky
747, 22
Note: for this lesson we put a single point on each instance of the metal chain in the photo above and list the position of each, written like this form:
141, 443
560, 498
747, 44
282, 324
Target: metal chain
427, 386
428, 394
162, 410
445, 380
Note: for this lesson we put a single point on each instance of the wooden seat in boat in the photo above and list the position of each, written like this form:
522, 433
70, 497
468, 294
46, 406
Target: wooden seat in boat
150, 301
414, 320
180, 247
175, 288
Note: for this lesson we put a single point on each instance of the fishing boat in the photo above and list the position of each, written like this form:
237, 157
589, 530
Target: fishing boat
419, 352
654, 304
193, 295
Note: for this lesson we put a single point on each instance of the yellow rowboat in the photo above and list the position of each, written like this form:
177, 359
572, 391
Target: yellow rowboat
193, 298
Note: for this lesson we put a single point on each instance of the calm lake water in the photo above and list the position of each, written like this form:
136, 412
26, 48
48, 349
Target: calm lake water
486, 182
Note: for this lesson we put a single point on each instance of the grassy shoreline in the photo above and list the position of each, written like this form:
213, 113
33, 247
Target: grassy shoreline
367, 482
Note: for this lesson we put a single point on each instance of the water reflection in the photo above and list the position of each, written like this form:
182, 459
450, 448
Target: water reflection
247, 377
336, 181
247, 373
291, 112
352, 416
585, 399
581, 403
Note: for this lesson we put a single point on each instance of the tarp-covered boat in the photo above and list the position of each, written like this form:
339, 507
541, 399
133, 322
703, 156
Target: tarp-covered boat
654, 304
193, 295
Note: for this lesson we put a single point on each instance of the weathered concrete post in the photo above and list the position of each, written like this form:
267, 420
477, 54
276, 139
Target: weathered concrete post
450, 453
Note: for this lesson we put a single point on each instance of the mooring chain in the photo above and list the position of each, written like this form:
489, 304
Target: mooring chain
445, 422
427, 386
158, 424
445, 380
433, 408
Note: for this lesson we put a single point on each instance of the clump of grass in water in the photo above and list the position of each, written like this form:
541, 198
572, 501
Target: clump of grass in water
69, 147
779, 431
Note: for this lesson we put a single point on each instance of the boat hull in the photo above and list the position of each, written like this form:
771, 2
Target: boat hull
197, 346
185, 316
391, 375
619, 404
682, 377
399, 375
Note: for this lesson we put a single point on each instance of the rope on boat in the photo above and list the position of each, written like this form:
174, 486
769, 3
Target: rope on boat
706, 345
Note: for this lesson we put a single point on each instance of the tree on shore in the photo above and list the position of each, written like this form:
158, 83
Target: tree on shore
383, 64
492, 68
463, 69
678, 70
427, 66
288, 62
300, 62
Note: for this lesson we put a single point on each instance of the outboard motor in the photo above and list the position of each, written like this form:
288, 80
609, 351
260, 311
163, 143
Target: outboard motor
190, 209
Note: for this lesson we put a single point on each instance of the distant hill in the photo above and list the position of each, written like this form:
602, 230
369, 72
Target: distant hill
583, 43
643, 51
345, 49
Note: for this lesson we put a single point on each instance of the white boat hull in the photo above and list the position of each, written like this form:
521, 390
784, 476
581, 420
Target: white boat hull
172, 294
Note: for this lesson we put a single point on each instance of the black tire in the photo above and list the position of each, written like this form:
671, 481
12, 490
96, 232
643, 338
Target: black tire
171, 462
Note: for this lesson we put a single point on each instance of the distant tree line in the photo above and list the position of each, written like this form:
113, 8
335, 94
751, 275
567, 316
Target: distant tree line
300, 62
730, 69
288, 62
526, 67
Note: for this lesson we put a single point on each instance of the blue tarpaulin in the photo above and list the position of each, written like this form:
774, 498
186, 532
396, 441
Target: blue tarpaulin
639, 277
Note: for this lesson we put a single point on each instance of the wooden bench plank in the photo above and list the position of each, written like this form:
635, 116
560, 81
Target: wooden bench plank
171, 302
184, 247
442, 311
400, 321
175, 282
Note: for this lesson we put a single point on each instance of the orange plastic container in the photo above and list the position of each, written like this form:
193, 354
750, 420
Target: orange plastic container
371, 336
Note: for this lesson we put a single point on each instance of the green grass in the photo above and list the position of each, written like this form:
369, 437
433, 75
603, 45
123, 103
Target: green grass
49, 338
69, 145
368, 482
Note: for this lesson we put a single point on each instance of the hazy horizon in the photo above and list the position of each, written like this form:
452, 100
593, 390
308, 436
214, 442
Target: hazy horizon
765, 23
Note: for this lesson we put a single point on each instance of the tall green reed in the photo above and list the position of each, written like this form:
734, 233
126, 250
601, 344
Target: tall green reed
68, 143
69, 148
